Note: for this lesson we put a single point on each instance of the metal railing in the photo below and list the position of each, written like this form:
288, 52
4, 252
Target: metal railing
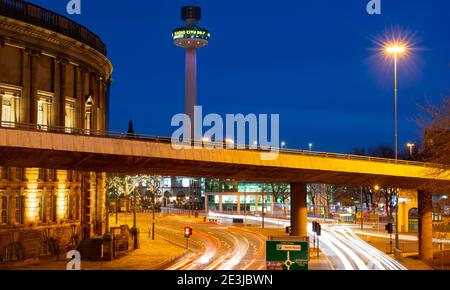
203, 144
34, 14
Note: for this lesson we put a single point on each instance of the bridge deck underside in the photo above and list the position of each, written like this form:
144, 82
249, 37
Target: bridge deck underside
26, 157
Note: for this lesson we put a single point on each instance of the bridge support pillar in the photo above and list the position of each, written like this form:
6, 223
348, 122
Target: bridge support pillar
425, 226
220, 203
298, 210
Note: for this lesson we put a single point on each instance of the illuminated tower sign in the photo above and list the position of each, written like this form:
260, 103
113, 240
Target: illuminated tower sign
190, 38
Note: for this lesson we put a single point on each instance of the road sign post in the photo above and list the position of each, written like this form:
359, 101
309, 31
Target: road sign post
287, 253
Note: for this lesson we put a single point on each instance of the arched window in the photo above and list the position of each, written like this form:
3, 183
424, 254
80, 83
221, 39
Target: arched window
88, 115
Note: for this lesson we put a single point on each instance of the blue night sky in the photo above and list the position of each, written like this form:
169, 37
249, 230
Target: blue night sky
312, 62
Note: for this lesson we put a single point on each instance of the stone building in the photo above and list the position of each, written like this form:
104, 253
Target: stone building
54, 76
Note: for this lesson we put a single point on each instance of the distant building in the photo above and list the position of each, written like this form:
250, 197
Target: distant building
225, 195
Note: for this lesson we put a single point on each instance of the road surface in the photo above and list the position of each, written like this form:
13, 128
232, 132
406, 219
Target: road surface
346, 251
216, 246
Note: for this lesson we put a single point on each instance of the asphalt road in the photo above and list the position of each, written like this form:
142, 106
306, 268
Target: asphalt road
347, 251
215, 246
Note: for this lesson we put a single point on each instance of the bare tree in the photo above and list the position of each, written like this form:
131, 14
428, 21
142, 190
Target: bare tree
279, 191
436, 144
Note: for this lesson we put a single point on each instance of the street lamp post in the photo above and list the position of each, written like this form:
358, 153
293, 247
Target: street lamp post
310, 146
245, 208
395, 50
153, 220
134, 207
134, 230
361, 205
117, 208
410, 146
263, 209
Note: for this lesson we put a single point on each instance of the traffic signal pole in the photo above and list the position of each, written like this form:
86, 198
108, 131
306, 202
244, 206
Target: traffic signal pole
187, 245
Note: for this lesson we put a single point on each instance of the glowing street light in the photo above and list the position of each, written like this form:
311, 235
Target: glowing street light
310, 146
410, 146
283, 144
395, 49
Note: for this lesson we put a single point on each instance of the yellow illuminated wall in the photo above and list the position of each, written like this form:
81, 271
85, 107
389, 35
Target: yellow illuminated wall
31, 195
407, 201
61, 195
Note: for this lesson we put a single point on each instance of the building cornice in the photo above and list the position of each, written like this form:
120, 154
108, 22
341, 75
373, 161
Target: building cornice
23, 34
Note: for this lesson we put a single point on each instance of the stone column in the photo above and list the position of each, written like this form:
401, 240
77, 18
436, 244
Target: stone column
77, 95
220, 203
425, 226
206, 203
100, 209
88, 192
60, 90
33, 98
299, 215
84, 92
26, 87
256, 203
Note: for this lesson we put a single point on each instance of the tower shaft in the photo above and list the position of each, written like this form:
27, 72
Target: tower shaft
191, 85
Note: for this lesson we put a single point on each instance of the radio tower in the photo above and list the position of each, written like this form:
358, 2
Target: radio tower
191, 37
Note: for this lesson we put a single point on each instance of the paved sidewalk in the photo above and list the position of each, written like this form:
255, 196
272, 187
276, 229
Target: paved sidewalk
319, 263
412, 262
152, 255
408, 244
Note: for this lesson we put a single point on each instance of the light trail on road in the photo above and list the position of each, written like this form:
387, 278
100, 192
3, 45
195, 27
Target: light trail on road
350, 248
222, 247
342, 246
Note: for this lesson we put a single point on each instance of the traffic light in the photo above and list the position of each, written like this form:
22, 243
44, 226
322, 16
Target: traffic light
187, 232
389, 228
289, 230
318, 229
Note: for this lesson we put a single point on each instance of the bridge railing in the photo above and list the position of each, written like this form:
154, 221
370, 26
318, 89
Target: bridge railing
201, 143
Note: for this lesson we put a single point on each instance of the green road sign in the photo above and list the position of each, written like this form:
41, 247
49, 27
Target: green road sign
287, 255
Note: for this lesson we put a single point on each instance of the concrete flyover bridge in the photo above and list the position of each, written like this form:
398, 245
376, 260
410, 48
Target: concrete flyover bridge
24, 145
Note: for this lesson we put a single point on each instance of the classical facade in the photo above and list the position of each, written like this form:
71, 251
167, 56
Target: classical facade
54, 75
